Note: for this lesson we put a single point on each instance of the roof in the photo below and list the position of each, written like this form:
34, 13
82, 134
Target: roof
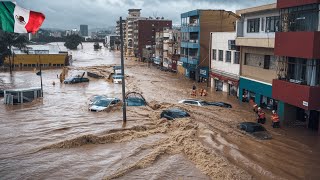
257, 9
23, 89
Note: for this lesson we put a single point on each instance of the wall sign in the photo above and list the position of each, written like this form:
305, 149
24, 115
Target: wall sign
305, 103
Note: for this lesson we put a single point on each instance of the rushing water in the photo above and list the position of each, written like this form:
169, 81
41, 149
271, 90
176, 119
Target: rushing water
58, 138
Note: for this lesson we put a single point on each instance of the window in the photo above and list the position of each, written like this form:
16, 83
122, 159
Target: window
228, 56
301, 18
236, 57
273, 24
266, 64
262, 24
253, 25
214, 54
220, 55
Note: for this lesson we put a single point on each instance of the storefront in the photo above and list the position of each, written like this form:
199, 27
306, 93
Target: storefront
225, 83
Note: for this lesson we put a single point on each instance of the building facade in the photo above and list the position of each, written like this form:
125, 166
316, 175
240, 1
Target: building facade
297, 43
258, 67
133, 15
196, 26
225, 62
84, 30
145, 33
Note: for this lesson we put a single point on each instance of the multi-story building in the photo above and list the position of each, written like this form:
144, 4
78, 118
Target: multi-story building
225, 62
171, 49
158, 59
258, 67
196, 26
84, 30
297, 43
134, 14
145, 32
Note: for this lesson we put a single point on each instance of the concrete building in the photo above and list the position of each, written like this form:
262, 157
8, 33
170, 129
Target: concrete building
171, 49
84, 30
255, 36
196, 26
123, 24
297, 82
158, 59
225, 62
133, 15
145, 32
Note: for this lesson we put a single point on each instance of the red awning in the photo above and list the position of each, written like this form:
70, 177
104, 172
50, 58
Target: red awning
226, 79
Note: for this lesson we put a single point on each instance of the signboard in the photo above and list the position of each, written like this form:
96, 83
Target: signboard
204, 72
305, 103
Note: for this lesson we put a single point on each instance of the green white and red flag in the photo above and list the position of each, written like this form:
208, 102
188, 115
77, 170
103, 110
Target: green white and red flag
19, 20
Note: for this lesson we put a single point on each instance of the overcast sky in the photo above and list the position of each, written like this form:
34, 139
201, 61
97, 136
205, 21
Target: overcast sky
68, 14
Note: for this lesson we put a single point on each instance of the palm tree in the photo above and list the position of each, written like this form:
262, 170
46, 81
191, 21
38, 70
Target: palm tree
9, 40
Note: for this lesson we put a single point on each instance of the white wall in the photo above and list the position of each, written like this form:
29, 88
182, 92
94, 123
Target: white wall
262, 33
220, 42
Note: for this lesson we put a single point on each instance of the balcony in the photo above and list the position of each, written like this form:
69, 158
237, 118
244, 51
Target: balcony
290, 3
192, 28
303, 96
190, 60
298, 44
255, 42
194, 44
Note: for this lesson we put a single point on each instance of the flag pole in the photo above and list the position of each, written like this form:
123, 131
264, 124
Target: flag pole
124, 112
41, 77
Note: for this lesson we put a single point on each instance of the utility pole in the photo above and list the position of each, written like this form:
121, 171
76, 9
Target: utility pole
124, 111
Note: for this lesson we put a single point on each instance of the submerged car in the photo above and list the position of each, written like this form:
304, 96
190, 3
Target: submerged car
205, 103
174, 113
103, 104
255, 129
74, 80
135, 101
95, 98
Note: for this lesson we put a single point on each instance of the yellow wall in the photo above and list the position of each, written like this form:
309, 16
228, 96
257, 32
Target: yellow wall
180, 70
34, 59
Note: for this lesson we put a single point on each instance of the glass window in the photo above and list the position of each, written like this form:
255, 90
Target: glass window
253, 25
236, 57
220, 55
228, 56
214, 54
302, 18
273, 24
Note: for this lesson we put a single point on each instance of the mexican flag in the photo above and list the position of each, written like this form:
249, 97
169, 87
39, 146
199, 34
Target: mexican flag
19, 20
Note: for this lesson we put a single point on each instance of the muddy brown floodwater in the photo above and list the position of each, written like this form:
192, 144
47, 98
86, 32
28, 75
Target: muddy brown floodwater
58, 138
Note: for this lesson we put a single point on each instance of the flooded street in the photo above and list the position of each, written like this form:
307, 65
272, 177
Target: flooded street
58, 138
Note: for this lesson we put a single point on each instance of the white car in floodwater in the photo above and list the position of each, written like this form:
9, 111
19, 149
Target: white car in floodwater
103, 104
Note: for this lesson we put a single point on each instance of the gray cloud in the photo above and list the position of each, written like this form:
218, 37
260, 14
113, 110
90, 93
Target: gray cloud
67, 14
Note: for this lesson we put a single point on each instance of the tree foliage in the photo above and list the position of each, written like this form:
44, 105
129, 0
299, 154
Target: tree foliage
73, 41
9, 40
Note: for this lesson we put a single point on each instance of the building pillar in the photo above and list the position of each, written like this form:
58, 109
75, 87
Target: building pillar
240, 93
257, 98
280, 111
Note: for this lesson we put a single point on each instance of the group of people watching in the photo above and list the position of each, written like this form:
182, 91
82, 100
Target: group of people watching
261, 115
202, 92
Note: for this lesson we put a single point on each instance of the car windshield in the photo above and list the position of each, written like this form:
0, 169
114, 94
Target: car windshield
135, 102
102, 102
204, 103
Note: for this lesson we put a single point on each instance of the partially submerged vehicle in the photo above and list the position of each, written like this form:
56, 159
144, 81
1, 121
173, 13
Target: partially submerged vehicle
174, 113
197, 102
255, 129
96, 98
103, 104
117, 79
135, 99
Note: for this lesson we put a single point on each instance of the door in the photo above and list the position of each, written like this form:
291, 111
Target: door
192, 75
314, 121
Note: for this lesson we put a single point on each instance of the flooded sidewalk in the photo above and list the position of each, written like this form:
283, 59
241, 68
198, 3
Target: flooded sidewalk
58, 138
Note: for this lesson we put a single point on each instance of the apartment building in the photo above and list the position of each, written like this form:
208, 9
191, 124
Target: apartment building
196, 27
258, 64
297, 43
225, 62
145, 33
